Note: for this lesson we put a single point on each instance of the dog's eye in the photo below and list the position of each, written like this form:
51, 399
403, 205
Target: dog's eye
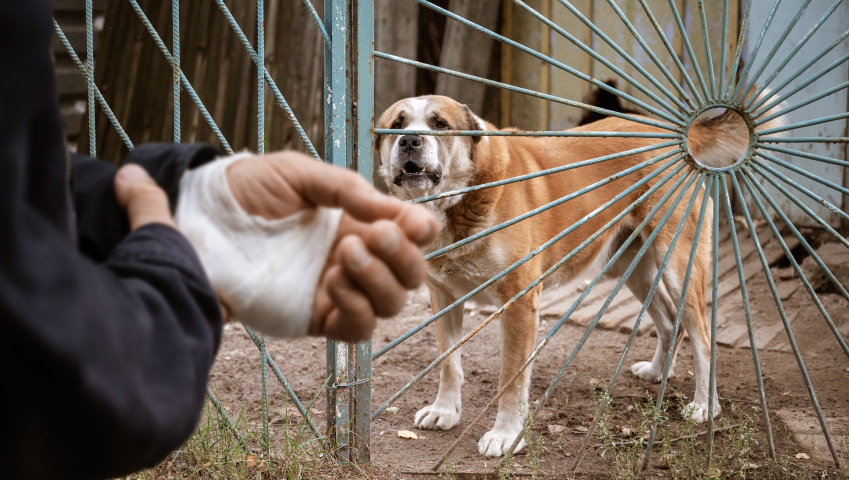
397, 126
440, 125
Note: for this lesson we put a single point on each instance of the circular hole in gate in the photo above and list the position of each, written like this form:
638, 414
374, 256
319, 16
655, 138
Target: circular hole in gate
719, 138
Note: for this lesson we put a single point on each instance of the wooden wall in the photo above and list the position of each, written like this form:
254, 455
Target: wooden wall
135, 77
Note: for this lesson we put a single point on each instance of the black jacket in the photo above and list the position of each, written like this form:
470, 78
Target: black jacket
104, 355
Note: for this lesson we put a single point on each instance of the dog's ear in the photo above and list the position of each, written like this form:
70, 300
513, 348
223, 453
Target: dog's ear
377, 139
472, 123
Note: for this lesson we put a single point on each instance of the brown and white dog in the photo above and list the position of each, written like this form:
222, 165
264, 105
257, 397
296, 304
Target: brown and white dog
414, 166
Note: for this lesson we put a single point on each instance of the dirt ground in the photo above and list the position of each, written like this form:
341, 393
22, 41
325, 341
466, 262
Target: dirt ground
559, 427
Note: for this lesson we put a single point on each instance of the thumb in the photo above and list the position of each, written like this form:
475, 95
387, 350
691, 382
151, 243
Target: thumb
144, 201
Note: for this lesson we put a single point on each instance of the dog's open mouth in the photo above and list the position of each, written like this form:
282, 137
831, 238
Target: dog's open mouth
413, 175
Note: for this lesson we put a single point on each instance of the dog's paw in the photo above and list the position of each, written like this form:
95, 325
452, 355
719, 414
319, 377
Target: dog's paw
697, 412
495, 443
433, 417
646, 371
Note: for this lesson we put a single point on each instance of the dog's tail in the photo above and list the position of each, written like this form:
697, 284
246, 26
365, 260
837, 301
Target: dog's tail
722, 140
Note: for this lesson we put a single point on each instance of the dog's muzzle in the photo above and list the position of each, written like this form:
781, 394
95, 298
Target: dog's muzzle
413, 171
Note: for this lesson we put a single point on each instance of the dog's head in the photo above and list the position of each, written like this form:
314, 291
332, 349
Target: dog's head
418, 165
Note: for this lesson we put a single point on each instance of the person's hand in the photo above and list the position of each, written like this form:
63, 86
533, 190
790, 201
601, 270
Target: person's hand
376, 255
144, 201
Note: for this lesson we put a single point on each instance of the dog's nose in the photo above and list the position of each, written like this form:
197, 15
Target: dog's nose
410, 143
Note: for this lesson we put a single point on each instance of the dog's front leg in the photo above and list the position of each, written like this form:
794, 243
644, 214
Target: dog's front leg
444, 413
518, 329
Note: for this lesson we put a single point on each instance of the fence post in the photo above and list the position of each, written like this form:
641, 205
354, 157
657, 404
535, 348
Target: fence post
349, 108
363, 25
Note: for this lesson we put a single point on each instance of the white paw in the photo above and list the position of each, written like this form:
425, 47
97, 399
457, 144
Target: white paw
495, 443
646, 371
697, 412
437, 418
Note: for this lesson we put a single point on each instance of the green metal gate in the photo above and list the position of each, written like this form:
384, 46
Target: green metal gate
679, 89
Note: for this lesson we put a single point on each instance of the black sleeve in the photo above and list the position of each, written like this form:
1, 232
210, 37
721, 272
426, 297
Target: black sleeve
101, 222
103, 367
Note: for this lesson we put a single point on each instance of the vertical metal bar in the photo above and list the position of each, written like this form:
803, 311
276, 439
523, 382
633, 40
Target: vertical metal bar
260, 140
714, 308
708, 56
89, 43
82, 68
175, 65
741, 39
723, 47
745, 294
336, 107
364, 101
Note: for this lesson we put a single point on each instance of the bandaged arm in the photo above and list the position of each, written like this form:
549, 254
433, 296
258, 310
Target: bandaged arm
265, 271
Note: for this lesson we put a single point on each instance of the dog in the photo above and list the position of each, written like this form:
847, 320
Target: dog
415, 166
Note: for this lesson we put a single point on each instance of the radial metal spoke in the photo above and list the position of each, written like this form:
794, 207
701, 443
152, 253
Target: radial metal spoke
801, 104
807, 123
741, 40
810, 156
536, 282
671, 352
744, 293
689, 46
554, 203
570, 229
605, 398
529, 176
607, 62
552, 62
672, 53
527, 133
781, 312
803, 172
563, 319
802, 189
751, 60
804, 139
102, 101
748, 180
525, 91
776, 99
751, 84
708, 55
769, 177
660, 65
789, 56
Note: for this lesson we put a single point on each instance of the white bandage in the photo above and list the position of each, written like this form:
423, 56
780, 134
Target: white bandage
265, 271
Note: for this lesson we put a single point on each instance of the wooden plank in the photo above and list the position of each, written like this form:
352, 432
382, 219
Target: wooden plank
467, 50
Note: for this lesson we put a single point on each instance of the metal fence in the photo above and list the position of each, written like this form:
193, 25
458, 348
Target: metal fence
681, 88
